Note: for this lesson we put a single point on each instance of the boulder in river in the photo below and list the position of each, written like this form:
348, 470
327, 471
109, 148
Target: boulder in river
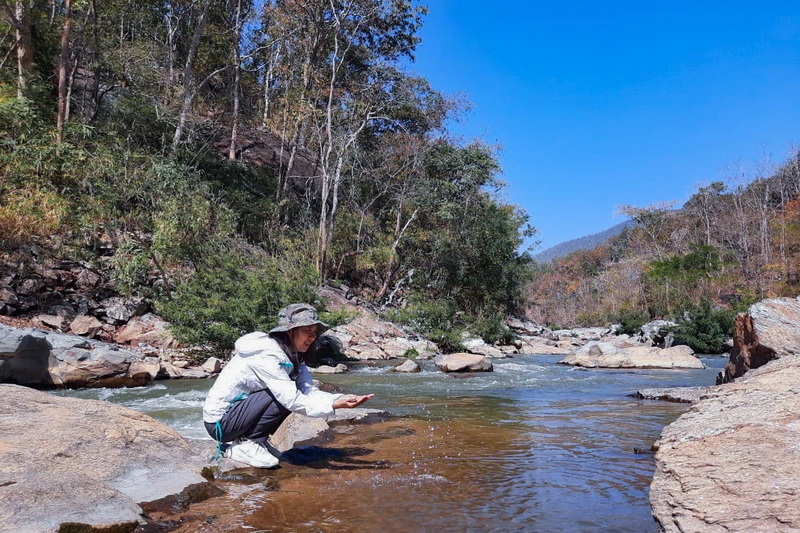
732, 462
408, 366
769, 330
327, 369
463, 362
657, 332
45, 359
66, 460
606, 355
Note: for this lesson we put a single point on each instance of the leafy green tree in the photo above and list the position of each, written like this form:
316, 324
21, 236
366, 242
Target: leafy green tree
705, 328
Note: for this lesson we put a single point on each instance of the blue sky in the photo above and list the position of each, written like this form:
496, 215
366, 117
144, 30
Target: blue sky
598, 104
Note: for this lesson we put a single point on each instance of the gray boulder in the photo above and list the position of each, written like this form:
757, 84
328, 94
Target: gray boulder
45, 359
656, 332
463, 362
123, 309
85, 462
326, 369
298, 428
408, 366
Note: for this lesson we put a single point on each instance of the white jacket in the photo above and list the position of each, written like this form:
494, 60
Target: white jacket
260, 363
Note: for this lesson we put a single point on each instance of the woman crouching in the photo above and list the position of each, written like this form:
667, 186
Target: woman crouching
264, 381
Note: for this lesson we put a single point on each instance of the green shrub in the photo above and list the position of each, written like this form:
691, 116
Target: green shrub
705, 328
130, 268
411, 353
235, 292
631, 320
437, 320
492, 329
338, 317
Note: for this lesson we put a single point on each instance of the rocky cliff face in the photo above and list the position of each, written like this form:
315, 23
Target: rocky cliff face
769, 330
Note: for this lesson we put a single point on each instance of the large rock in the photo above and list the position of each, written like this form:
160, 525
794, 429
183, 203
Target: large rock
607, 355
45, 359
769, 330
731, 464
524, 326
146, 330
478, 346
84, 461
657, 332
463, 362
327, 369
407, 366
123, 309
298, 427
541, 346
368, 338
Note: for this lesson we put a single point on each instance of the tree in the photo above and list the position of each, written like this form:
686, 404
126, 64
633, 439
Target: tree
18, 18
652, 219
63, 63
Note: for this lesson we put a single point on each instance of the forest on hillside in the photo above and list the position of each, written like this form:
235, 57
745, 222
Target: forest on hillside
236, 154
223, 158
734, 242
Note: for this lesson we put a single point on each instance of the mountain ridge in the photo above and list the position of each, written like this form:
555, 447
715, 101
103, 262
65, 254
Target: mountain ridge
587, 242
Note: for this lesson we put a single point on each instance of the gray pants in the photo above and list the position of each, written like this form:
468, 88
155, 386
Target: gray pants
254, 418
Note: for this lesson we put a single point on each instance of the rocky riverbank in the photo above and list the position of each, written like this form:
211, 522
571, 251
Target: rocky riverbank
732, 463
96, 466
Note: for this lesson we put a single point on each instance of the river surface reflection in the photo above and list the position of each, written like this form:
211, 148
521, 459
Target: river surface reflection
531, 447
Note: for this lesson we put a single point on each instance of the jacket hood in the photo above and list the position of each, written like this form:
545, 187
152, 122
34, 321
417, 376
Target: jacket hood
256, 342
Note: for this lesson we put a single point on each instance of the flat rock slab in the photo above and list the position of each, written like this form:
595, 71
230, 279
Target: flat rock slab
607, 355
84, 461
731, 464
673, 394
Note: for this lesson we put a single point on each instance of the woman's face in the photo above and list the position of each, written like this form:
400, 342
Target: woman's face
303, 337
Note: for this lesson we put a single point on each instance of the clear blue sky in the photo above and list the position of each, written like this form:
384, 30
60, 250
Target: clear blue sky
598, 104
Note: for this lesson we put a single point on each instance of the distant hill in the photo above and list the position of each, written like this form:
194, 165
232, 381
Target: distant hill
581, 243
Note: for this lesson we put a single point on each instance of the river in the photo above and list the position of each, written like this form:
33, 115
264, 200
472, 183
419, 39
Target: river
531, 447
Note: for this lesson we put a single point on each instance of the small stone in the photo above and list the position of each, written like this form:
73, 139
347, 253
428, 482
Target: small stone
7, 296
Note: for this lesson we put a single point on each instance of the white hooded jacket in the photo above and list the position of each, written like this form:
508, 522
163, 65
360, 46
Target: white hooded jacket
260, 363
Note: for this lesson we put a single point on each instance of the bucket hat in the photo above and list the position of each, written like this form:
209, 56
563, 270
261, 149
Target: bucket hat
296, 316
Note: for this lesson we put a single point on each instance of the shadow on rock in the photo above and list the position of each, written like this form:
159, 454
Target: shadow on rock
332, 458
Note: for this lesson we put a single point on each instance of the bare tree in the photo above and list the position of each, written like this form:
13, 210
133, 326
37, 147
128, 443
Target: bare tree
188, 76
18, 19
63, 63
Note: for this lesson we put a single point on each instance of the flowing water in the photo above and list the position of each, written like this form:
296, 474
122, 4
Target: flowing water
533, 446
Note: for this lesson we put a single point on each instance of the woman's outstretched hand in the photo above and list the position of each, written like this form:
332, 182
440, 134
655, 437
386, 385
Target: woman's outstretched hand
348, 401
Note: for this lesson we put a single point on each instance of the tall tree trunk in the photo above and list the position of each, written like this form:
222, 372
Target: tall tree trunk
63, 63
188, 90
17, 18
237, 68
70, 80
